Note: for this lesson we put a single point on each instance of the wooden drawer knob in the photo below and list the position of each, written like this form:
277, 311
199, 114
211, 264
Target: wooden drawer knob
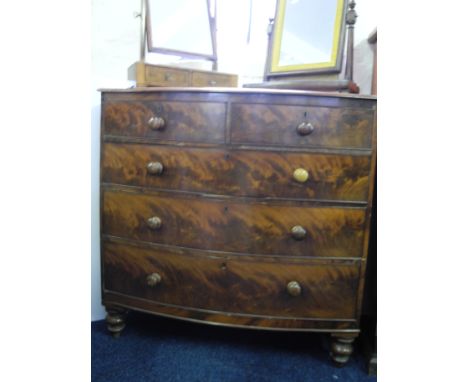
300, 175
154, 223
305, 128
156, 123
155, 168
153, 279
298, 232
294, 288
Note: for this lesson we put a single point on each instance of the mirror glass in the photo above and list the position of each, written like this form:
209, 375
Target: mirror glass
307, 34
180, 26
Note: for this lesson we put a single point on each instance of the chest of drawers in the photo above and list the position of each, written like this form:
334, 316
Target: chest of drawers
245, 208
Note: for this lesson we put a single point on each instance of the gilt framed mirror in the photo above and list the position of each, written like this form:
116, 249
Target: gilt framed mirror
307, 38
185, 28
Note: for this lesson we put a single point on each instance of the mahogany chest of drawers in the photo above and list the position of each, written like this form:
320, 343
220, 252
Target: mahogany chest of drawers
245, 208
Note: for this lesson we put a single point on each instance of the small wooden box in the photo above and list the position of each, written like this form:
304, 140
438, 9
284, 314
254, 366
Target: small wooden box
158, 75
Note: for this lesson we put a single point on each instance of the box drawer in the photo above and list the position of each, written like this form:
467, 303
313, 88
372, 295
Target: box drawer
157, 76
213, 79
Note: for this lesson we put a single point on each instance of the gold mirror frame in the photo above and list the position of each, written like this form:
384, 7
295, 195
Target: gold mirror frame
333, 66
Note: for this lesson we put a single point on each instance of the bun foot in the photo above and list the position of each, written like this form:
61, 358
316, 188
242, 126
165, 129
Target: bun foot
341, 349
116, 320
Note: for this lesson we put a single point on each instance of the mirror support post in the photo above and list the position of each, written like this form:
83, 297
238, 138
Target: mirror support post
351, 17
143, 31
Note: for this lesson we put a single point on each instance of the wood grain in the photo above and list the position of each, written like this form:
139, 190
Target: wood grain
276, 125
233, 284
239, 172
191, 122
235, 226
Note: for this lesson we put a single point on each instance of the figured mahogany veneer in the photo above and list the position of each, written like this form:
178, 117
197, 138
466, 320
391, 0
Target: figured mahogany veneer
277, 125
235, 226
193, 122
239, 172
246, 208
235, 284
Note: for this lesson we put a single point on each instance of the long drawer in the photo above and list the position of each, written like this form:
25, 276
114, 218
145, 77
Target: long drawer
238, 172
233, 225
241, 284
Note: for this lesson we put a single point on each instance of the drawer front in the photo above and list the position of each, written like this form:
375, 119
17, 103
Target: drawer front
301, 126
166, 120
237, 284
235, 226
167, 77
213, 79
238, 172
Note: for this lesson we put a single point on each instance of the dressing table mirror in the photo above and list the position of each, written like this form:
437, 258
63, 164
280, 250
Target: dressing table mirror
306, 46
182, 29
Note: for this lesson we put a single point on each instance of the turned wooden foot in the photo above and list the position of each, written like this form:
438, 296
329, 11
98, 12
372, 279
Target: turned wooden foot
116, 320
341, 348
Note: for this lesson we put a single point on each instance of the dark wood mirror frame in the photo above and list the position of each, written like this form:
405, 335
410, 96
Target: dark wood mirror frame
212, 24
175, 75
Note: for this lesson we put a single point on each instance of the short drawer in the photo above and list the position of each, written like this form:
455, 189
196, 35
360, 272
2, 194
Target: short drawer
228, 224
158, 76
166, 120
213, 79
288, 125
238, 172
236, 284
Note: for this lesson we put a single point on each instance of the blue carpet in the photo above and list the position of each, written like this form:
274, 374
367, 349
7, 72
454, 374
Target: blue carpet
159, 349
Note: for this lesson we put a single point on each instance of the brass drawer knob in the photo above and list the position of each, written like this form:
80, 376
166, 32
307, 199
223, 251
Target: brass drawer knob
300, 175
155, 168
298, 232
294, 288
305, 128
153, 279
156, 123
154, 222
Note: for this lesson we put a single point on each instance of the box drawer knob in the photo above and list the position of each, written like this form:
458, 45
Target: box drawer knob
153, 279
294, 288
298, 232
155, 168
301, 175
156, 123
305, 128
154, 223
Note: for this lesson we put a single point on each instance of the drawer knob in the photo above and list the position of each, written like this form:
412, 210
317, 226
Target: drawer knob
155, 168
156, 123
305, 128
212, 82
298, 232
301, 175
153, 279
294, 288
154, 222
